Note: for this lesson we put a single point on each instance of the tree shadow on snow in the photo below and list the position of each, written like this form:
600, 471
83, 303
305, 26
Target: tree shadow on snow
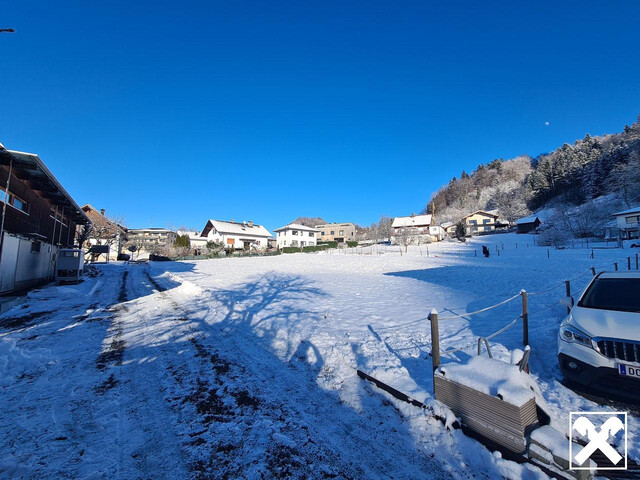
269, 321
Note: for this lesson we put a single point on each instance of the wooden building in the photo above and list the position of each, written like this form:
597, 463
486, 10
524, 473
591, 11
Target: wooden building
38, 217
527, 224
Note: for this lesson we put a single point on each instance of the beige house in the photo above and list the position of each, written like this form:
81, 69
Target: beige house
481, 221
336, 232
151, 240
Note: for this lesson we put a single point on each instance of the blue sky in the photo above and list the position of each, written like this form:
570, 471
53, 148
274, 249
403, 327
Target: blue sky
175, 112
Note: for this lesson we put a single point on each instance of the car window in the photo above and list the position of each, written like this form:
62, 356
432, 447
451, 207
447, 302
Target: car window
622, 294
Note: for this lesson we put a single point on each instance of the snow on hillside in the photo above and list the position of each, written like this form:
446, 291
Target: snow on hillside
245, 367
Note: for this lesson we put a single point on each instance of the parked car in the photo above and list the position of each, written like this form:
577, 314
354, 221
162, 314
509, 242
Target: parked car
599, 341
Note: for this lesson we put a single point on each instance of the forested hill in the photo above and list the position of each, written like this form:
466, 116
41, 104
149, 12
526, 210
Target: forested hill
573, 174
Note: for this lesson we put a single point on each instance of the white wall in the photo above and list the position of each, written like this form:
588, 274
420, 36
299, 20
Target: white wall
238, 243
22, 268
286, 238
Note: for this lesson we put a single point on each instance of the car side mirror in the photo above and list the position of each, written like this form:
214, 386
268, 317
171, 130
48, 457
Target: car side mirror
567, 302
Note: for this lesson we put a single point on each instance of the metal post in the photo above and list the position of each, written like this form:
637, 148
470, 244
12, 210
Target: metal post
61, 225
592, 255
636, 261
567, 288
593, 271
615, 265
4, 205
55, 224
435, 339
548, 253
525, 318
628, 263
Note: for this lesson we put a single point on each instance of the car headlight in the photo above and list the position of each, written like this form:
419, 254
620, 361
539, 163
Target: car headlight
573, 335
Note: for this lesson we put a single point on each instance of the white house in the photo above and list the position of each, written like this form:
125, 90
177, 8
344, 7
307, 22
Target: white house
629, 223
296, 235
236, 235
196, 242
417, 225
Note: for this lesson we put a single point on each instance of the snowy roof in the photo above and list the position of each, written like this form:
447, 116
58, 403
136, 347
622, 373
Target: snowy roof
529, 219
627, 212
487, 213
412, 221
447, 224
237, 228
296, 226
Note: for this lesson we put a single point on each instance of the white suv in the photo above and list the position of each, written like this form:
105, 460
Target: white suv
599, 341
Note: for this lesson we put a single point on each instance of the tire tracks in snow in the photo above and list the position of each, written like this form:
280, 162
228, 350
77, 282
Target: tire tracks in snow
246, 412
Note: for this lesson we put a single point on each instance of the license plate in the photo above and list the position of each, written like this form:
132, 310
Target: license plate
629, 371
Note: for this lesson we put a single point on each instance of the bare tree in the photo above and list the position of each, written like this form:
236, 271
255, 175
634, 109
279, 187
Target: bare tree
405, 236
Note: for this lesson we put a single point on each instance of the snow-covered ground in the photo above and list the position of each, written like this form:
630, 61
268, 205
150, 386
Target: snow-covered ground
245, 367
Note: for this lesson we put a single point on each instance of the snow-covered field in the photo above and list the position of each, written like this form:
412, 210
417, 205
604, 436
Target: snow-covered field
245, 367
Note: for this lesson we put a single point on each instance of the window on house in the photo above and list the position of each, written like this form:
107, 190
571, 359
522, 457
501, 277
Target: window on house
311, 234
486, 220
474, 229
35, 247
473, 222
294, 232
303, 243
322, 233
341, 233
14, 201
294, 243
632, 219
332, 232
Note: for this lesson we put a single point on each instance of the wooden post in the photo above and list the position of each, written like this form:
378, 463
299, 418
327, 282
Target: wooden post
525, 318
628, 263
548, 253
592, 255
427, 251
435, 339
593, 271
475, 254
615, 265
636, 261
567, 288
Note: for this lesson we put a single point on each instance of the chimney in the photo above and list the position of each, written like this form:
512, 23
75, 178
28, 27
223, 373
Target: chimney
250, 223
233, 221
102, 210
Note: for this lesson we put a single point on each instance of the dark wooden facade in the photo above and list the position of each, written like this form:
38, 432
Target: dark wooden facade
38, 221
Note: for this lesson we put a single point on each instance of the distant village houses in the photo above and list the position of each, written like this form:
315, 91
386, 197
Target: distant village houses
197, 243
151, 240
337, 232
419, 227
296, 235
104, 237
236, 235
